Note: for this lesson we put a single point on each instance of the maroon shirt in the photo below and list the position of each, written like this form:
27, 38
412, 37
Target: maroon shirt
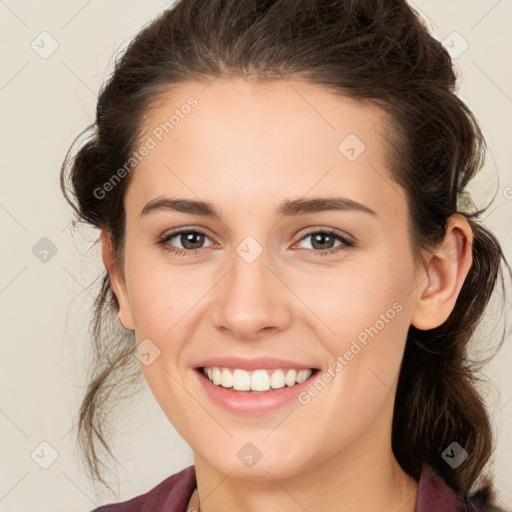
173, 495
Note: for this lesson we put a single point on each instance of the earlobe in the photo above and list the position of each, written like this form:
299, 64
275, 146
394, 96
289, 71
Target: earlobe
117, 280
446, 272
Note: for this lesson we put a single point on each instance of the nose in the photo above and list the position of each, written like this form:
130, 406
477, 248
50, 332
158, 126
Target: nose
252, 300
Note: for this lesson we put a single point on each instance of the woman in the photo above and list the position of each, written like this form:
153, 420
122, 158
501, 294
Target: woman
280, 188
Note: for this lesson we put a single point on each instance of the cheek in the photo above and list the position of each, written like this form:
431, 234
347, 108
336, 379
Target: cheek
164, 301
360, 294
159, 292
152, 298
366, 307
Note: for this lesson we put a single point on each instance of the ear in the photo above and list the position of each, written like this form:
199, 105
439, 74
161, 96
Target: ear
117, 279
446, 272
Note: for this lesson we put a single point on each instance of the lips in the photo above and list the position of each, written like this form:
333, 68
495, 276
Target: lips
257, 400
256, 363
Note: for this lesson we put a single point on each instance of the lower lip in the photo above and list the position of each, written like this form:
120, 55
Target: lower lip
248, 403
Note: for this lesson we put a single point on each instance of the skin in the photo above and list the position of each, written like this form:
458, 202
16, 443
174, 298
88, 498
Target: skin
245, 148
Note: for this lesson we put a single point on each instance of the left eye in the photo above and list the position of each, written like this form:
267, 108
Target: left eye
323, 239
192, 241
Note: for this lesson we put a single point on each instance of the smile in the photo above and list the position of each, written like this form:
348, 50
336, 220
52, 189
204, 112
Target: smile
257, 381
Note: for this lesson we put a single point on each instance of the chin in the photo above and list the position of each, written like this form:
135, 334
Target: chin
264, 463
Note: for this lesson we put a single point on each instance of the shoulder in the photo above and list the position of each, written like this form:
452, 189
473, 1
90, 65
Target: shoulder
170, 495
435, 494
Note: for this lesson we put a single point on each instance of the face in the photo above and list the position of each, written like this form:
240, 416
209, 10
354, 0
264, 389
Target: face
329, 286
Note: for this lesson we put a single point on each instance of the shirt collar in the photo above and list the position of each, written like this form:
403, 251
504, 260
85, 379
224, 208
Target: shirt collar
435, 494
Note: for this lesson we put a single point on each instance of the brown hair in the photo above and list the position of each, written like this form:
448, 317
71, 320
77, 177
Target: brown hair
378, 51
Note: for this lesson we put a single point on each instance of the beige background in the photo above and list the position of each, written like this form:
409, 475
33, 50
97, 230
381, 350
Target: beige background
45, 306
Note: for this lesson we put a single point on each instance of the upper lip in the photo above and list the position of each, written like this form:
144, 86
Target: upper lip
254, 363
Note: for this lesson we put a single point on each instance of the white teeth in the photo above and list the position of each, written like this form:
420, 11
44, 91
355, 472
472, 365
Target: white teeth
277, 380
226, 378
302, 375
241, 380
258, 380
217, 377
290, 377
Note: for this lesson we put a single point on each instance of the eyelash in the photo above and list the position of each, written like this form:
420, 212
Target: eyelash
346, 244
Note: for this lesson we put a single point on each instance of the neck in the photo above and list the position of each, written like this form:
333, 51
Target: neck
362, 477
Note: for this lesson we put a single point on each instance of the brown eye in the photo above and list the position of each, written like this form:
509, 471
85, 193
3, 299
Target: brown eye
323, 241
191, 241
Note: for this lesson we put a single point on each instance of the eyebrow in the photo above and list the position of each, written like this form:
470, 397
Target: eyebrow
286, 208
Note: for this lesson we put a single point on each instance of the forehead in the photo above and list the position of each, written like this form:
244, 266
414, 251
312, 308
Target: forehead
243, 141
